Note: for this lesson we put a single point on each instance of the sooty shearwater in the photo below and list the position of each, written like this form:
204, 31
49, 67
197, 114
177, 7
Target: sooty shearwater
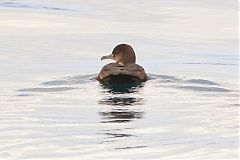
124, 70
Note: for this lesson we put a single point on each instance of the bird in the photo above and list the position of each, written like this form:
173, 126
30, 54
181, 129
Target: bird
124, 70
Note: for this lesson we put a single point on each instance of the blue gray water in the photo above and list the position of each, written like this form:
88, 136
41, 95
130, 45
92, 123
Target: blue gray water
51, 106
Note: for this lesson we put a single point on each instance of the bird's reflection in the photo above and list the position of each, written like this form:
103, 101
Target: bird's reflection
114, 135
120, 104
120, 115
121, 101
122, 88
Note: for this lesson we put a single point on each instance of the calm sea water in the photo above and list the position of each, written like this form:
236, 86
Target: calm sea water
51, 107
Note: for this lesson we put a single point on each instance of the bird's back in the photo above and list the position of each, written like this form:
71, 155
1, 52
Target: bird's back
117, 73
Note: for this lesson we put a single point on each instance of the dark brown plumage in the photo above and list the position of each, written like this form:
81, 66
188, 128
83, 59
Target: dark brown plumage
125, 70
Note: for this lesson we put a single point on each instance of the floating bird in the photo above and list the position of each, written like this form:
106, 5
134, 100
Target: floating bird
125, 70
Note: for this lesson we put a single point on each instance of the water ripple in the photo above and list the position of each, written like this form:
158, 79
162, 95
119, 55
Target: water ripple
53, 89
34, 6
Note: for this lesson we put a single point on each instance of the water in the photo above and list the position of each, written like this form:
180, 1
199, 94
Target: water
51, 107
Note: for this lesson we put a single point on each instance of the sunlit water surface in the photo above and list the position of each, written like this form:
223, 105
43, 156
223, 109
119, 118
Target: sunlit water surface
51, 106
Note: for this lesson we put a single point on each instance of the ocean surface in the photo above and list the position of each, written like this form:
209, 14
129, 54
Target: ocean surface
52, 108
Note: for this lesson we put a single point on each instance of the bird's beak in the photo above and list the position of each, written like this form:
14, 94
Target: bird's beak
110, 56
